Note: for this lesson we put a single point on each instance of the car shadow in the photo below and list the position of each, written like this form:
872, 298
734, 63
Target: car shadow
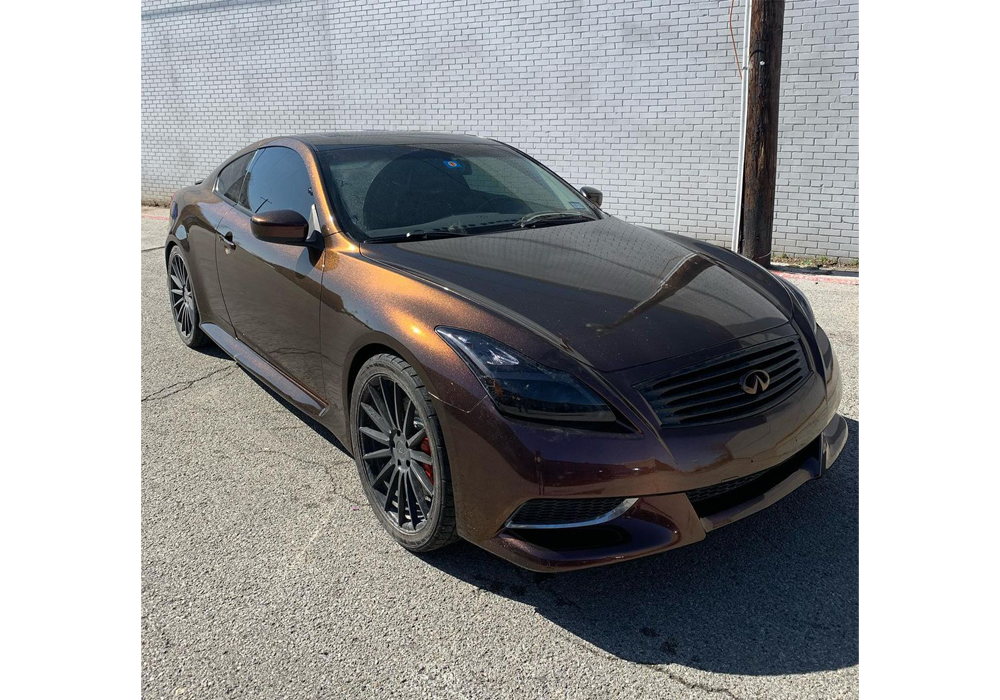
310, 422
212, 350
773, 594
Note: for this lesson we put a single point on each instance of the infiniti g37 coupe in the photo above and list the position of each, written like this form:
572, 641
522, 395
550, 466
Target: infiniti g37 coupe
507, 362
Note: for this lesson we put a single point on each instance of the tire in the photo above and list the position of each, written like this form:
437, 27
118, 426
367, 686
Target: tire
183, 305
384, 390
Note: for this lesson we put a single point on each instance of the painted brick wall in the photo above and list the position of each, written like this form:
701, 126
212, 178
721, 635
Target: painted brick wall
637, 98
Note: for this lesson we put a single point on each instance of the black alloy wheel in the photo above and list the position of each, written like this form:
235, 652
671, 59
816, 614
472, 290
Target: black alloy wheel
183, 306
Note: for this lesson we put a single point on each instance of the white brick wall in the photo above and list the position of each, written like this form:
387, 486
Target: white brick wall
638, 98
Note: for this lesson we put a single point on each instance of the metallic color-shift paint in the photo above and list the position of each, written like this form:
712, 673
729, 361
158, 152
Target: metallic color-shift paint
613, 303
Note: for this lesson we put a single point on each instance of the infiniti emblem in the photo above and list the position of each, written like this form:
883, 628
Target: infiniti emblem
754, 381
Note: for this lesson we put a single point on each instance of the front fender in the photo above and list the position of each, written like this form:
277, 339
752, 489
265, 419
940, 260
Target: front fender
367, 308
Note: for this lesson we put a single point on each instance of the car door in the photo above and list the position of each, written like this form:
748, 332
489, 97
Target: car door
272, 290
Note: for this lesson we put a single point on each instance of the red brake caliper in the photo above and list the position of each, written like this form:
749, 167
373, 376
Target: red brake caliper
425, 447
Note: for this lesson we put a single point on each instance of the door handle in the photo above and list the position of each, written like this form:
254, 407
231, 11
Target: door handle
227, 240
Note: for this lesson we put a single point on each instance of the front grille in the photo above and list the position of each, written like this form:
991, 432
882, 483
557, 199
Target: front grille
709, 500
707, 492
555, 512
711, 391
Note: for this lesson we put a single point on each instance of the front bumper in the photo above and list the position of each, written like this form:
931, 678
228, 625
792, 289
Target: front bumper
658, 522
498, 465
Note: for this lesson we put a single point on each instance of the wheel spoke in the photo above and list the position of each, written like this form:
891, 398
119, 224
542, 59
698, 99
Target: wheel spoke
377, 418
385, 404
420, 477
390, 491
385, 472
394, 388
421, 457
378, 397
177, 281
377, 453
401, 500
418, 501
407, 416
416, 438
374, 434
411, 503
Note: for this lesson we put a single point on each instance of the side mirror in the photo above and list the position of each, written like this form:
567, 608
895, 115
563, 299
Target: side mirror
593, 195
280, 226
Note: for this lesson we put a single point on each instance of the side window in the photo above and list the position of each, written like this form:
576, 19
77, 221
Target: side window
230, 180
278, 180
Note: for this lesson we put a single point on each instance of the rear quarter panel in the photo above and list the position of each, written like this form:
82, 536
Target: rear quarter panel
199, 213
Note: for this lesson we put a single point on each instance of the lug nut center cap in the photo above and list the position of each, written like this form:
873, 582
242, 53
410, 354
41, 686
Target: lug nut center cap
400, 450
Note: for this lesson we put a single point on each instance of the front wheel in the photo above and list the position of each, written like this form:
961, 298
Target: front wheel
400, 454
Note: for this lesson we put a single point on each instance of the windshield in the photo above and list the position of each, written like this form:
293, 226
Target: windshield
401, 191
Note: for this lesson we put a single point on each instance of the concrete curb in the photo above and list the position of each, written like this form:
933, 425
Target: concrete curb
832, 279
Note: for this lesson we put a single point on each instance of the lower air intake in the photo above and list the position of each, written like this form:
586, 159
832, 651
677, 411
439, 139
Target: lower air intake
568, 512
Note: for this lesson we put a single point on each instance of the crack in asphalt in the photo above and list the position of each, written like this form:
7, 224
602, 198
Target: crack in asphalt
324, 522
146, 250
183, 386
691, 685
324, 467
538, 579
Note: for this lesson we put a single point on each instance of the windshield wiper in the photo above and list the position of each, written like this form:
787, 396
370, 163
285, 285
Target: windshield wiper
553, 218
419, 235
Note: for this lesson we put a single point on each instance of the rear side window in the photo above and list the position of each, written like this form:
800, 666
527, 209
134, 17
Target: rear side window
230, 180
278, 180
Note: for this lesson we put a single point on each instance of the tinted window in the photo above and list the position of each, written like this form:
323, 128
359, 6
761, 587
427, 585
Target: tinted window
278, 180
230, 180
382, 191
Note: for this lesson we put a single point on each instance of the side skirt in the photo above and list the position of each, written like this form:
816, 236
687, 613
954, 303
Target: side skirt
256, 365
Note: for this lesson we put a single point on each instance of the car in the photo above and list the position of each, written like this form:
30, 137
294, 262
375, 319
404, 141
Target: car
506, 362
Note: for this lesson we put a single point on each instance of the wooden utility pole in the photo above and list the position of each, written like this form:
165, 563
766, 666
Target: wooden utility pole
760, 155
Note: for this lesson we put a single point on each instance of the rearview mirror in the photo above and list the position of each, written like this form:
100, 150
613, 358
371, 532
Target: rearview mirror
593, 195
280, 226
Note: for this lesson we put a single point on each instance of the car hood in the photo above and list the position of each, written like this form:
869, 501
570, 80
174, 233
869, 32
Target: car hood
613, 294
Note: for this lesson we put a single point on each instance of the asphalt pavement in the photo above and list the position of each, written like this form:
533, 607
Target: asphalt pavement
264, 575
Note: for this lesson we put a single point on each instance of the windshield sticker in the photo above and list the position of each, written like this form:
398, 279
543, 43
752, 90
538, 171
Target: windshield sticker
454, 164
577, 205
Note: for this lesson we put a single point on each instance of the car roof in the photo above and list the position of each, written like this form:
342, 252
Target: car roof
385, 138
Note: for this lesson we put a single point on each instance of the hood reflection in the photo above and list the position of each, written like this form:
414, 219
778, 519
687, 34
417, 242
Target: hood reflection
580, 282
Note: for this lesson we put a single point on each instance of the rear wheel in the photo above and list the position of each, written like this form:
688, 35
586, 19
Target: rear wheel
400, 454
183, 306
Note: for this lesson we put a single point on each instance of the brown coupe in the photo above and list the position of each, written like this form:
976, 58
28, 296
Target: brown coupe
507, 362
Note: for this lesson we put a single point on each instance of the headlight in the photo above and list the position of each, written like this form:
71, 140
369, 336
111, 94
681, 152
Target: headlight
800, 300
522, 387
